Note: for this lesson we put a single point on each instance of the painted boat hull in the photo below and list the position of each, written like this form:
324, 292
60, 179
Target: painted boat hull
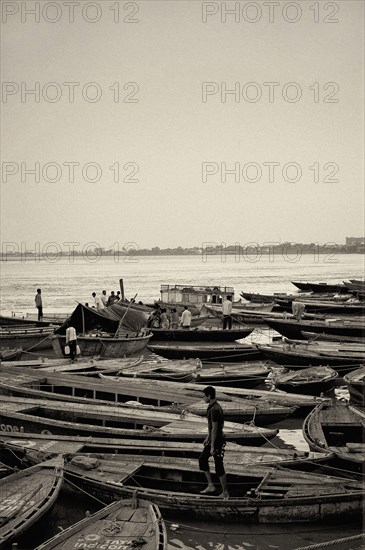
124, 517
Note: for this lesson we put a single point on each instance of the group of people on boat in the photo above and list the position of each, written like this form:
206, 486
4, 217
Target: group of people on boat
169, 319
102, 301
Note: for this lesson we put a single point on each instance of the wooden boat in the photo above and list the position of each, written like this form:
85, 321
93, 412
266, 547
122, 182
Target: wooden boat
252, 410
18, 448
295, 354
26, 322
5, 470
332, 337
259, 494
242, 375
257, 298
81, 389
166, 369
337, 288
208, 351
312, 381
104, 346
130, 523
200, 335
59, 417
355, 382
293, 328
302, 286
30, 339
325, 307
340, 428
26, 496
10, 354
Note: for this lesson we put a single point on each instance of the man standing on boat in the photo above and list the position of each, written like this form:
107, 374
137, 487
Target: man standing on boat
227, 310
214, 444
97, 301
71, 341
103, 298
38, 303
186, 318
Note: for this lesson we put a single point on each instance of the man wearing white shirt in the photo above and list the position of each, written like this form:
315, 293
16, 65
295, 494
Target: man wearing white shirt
98, 302
103, 298
71, 341
186, 318
227, 310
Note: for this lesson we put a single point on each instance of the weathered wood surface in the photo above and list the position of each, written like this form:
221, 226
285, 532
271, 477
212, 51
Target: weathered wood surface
260, 494
332, 427
40, 446
26, 496
122, 389
131, 523
42, 416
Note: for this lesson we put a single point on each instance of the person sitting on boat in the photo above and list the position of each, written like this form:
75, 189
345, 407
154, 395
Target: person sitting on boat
174, 319
164, 322
227, 310
214, 444
186, 318
71, 341
38, 303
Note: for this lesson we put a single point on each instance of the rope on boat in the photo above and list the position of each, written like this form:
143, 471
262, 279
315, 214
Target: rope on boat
37, 344
334, 542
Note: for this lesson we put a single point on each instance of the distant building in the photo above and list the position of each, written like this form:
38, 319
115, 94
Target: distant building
355, 241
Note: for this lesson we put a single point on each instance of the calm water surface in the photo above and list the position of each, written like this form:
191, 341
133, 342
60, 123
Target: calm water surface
64, 283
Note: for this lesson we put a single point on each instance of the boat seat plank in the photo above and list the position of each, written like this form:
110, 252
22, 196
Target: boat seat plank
139, 516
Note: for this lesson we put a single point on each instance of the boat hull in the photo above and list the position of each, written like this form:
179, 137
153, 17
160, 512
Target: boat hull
104, 347
214, 335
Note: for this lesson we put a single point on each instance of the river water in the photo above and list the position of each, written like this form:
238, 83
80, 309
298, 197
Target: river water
65, 282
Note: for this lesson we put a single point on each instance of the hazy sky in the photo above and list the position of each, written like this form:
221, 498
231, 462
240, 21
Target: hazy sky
173, 131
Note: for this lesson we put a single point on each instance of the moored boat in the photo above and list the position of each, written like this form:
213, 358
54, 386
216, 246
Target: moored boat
18, 448
355, 382
59, 417
26, 496
129, 523
312, 381
29, 339
292, 328
337, 427
208, 351
239, 375
259, 494
104, 345
294, 353
200, 335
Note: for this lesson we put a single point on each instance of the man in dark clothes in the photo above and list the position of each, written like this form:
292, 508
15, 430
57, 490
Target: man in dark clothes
39, 304
214, 443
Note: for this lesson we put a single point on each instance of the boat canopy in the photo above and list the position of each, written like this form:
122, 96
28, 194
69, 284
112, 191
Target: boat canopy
84, 319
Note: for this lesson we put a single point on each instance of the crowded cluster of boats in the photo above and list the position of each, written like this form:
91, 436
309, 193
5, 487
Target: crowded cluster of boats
125, 422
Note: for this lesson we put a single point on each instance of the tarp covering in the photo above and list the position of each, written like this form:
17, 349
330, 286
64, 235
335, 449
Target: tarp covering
84, 319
